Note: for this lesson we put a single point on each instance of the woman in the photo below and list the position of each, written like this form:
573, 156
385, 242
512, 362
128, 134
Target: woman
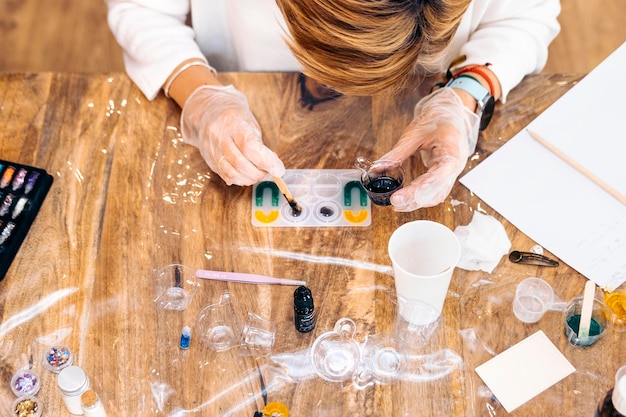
360, 47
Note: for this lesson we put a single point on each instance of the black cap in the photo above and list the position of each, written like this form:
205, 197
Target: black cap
302, 298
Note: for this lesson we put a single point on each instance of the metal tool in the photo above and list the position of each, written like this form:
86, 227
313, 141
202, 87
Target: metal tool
530, 258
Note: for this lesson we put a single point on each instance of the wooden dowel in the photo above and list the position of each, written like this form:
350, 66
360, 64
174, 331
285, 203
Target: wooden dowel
557, 152
283, 188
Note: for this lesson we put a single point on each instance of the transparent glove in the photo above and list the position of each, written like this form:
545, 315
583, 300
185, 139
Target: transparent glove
445, 132
218, 121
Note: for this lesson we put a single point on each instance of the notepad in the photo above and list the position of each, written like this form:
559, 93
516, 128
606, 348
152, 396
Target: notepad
549, 200
525, 370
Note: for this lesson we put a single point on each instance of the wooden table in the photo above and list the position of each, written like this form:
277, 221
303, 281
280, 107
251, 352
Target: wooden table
129, 197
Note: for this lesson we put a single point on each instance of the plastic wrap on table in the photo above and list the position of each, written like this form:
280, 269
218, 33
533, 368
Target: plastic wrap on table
129, 346
490, 327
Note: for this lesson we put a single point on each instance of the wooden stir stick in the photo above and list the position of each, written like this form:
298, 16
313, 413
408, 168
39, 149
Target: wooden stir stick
556, 151
587, 309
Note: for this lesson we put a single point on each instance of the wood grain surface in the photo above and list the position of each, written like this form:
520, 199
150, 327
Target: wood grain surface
129, 197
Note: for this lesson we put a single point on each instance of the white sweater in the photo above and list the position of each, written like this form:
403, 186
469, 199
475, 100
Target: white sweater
248, 35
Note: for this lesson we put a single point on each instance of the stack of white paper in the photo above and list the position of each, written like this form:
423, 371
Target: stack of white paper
551, 202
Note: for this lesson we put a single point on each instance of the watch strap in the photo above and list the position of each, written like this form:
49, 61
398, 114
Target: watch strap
472, 86
484, 100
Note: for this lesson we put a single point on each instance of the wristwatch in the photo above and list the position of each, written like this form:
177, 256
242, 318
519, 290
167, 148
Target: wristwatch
485, 102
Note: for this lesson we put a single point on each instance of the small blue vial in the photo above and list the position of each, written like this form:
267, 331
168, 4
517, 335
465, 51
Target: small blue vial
185, 337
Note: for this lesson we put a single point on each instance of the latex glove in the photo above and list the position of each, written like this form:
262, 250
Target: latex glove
217, 120
445, 132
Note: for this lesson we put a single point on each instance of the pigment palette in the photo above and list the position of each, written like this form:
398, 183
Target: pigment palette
22, 191
328, 198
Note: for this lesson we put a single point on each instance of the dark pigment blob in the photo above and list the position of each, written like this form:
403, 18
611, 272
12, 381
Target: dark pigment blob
326, 211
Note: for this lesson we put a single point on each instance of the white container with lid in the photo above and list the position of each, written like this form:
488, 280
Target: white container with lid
72, 382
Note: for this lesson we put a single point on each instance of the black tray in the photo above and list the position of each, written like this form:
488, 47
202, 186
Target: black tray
22, 191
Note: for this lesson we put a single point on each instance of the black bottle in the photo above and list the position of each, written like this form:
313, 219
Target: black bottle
614, 402
303, 310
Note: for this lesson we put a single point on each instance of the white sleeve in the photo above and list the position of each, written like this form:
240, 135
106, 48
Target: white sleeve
512, 35
154, 37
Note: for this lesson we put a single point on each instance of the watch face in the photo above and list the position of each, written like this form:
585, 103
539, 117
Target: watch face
487, 113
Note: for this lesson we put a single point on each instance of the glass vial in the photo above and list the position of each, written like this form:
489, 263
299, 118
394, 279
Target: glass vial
91, 404
185, 338
614, 402
72, 382
303, 309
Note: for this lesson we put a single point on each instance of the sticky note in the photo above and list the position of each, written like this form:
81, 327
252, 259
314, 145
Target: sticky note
524, 370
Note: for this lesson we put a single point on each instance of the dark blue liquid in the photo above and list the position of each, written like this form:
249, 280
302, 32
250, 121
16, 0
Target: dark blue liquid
327, 211
381, 188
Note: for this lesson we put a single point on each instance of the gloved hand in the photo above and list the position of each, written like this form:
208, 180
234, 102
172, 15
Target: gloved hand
218, 121
445, 132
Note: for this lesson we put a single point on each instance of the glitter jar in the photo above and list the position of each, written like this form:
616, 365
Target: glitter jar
27, 406
91, 404
25, 382
58, 357
72, 382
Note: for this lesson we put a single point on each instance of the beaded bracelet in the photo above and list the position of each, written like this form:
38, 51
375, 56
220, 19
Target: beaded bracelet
168, 84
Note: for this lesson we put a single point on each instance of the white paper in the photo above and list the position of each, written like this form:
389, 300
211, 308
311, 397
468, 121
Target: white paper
525, 370
550, 201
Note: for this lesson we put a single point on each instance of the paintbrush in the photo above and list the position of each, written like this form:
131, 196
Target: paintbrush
295, 208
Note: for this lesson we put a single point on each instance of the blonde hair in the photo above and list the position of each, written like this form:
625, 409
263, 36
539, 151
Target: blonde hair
365, 47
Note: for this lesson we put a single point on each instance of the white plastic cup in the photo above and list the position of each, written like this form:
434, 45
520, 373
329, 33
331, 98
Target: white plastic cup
423, 255
533, 297
423, 320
